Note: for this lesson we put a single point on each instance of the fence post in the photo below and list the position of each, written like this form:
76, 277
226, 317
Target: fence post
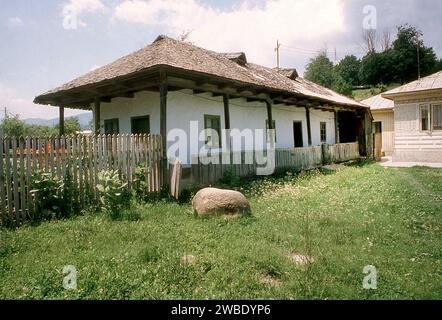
325, 148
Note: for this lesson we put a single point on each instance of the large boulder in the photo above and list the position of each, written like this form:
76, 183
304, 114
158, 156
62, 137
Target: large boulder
212, 201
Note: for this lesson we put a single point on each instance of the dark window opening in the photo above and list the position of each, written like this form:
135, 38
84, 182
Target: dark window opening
140, 125
111, 126
323, 132
297, 134
213, 123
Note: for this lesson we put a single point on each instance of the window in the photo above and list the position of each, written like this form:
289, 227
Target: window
425, 118
431, 117
297, 134
214, 123
323, 132
267, 128
377, 126
111, 126
437, 116
140, 125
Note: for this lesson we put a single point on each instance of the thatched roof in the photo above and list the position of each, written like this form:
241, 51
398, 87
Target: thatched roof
432, 82
378, 103
183, 56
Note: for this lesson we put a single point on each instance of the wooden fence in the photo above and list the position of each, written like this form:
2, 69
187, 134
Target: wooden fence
205, 173
81, 157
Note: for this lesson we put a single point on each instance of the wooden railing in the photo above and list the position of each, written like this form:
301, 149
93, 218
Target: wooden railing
80, 157
205, 173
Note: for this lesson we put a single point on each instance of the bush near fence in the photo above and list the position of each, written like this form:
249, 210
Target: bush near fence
79, 157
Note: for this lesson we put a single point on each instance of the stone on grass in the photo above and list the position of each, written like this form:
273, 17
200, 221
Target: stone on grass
212, 201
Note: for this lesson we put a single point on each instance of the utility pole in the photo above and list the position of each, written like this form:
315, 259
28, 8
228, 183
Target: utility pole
277, 49
418, 56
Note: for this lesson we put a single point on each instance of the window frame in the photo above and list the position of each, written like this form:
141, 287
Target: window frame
428, 108
116, 120
432, 107
211, 117
430, 117
325, 131
132, 119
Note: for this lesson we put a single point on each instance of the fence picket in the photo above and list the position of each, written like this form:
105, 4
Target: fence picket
2, 185
22, 190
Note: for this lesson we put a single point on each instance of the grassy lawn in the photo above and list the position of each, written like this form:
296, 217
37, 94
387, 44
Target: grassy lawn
362, 94
357, 216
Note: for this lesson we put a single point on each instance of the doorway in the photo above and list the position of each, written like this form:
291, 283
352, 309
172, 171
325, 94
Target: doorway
377, 127
297, 134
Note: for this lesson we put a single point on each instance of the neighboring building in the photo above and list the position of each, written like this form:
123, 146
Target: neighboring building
383, 114
418, 120
170, 83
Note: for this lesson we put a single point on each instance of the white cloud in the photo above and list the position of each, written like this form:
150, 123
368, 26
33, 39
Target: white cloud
247, 27
15, 104
14, 22
85, 6
73, 9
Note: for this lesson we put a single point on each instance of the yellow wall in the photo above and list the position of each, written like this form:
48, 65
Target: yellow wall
387, 119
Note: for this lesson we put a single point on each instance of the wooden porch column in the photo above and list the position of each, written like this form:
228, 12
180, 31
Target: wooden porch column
227, 123
336, 127
163, 112
97, 116
269, 114
226, 111
309, 127
163, 129
61, 120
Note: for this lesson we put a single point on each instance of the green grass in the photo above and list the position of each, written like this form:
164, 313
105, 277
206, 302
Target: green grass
358, 216
362, 94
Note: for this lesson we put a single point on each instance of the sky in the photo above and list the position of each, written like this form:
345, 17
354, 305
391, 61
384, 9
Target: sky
47, 43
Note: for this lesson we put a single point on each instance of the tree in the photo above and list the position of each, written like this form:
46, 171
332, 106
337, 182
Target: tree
370, 38
341, 86
320, 70
348, 70
13, 126
406, 46
71, 126
377, 68
40, 131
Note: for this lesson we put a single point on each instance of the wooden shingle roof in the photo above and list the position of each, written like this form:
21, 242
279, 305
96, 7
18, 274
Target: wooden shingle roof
183, 56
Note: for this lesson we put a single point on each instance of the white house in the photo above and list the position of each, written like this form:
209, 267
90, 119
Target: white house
171, 83
418, 120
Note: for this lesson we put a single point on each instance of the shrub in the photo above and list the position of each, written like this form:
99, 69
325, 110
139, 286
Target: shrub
47, 190
54, 197
139, 184
114, 196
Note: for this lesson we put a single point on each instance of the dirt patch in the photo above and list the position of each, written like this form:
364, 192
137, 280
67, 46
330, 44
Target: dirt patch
188, 259
271, 281
300, 259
